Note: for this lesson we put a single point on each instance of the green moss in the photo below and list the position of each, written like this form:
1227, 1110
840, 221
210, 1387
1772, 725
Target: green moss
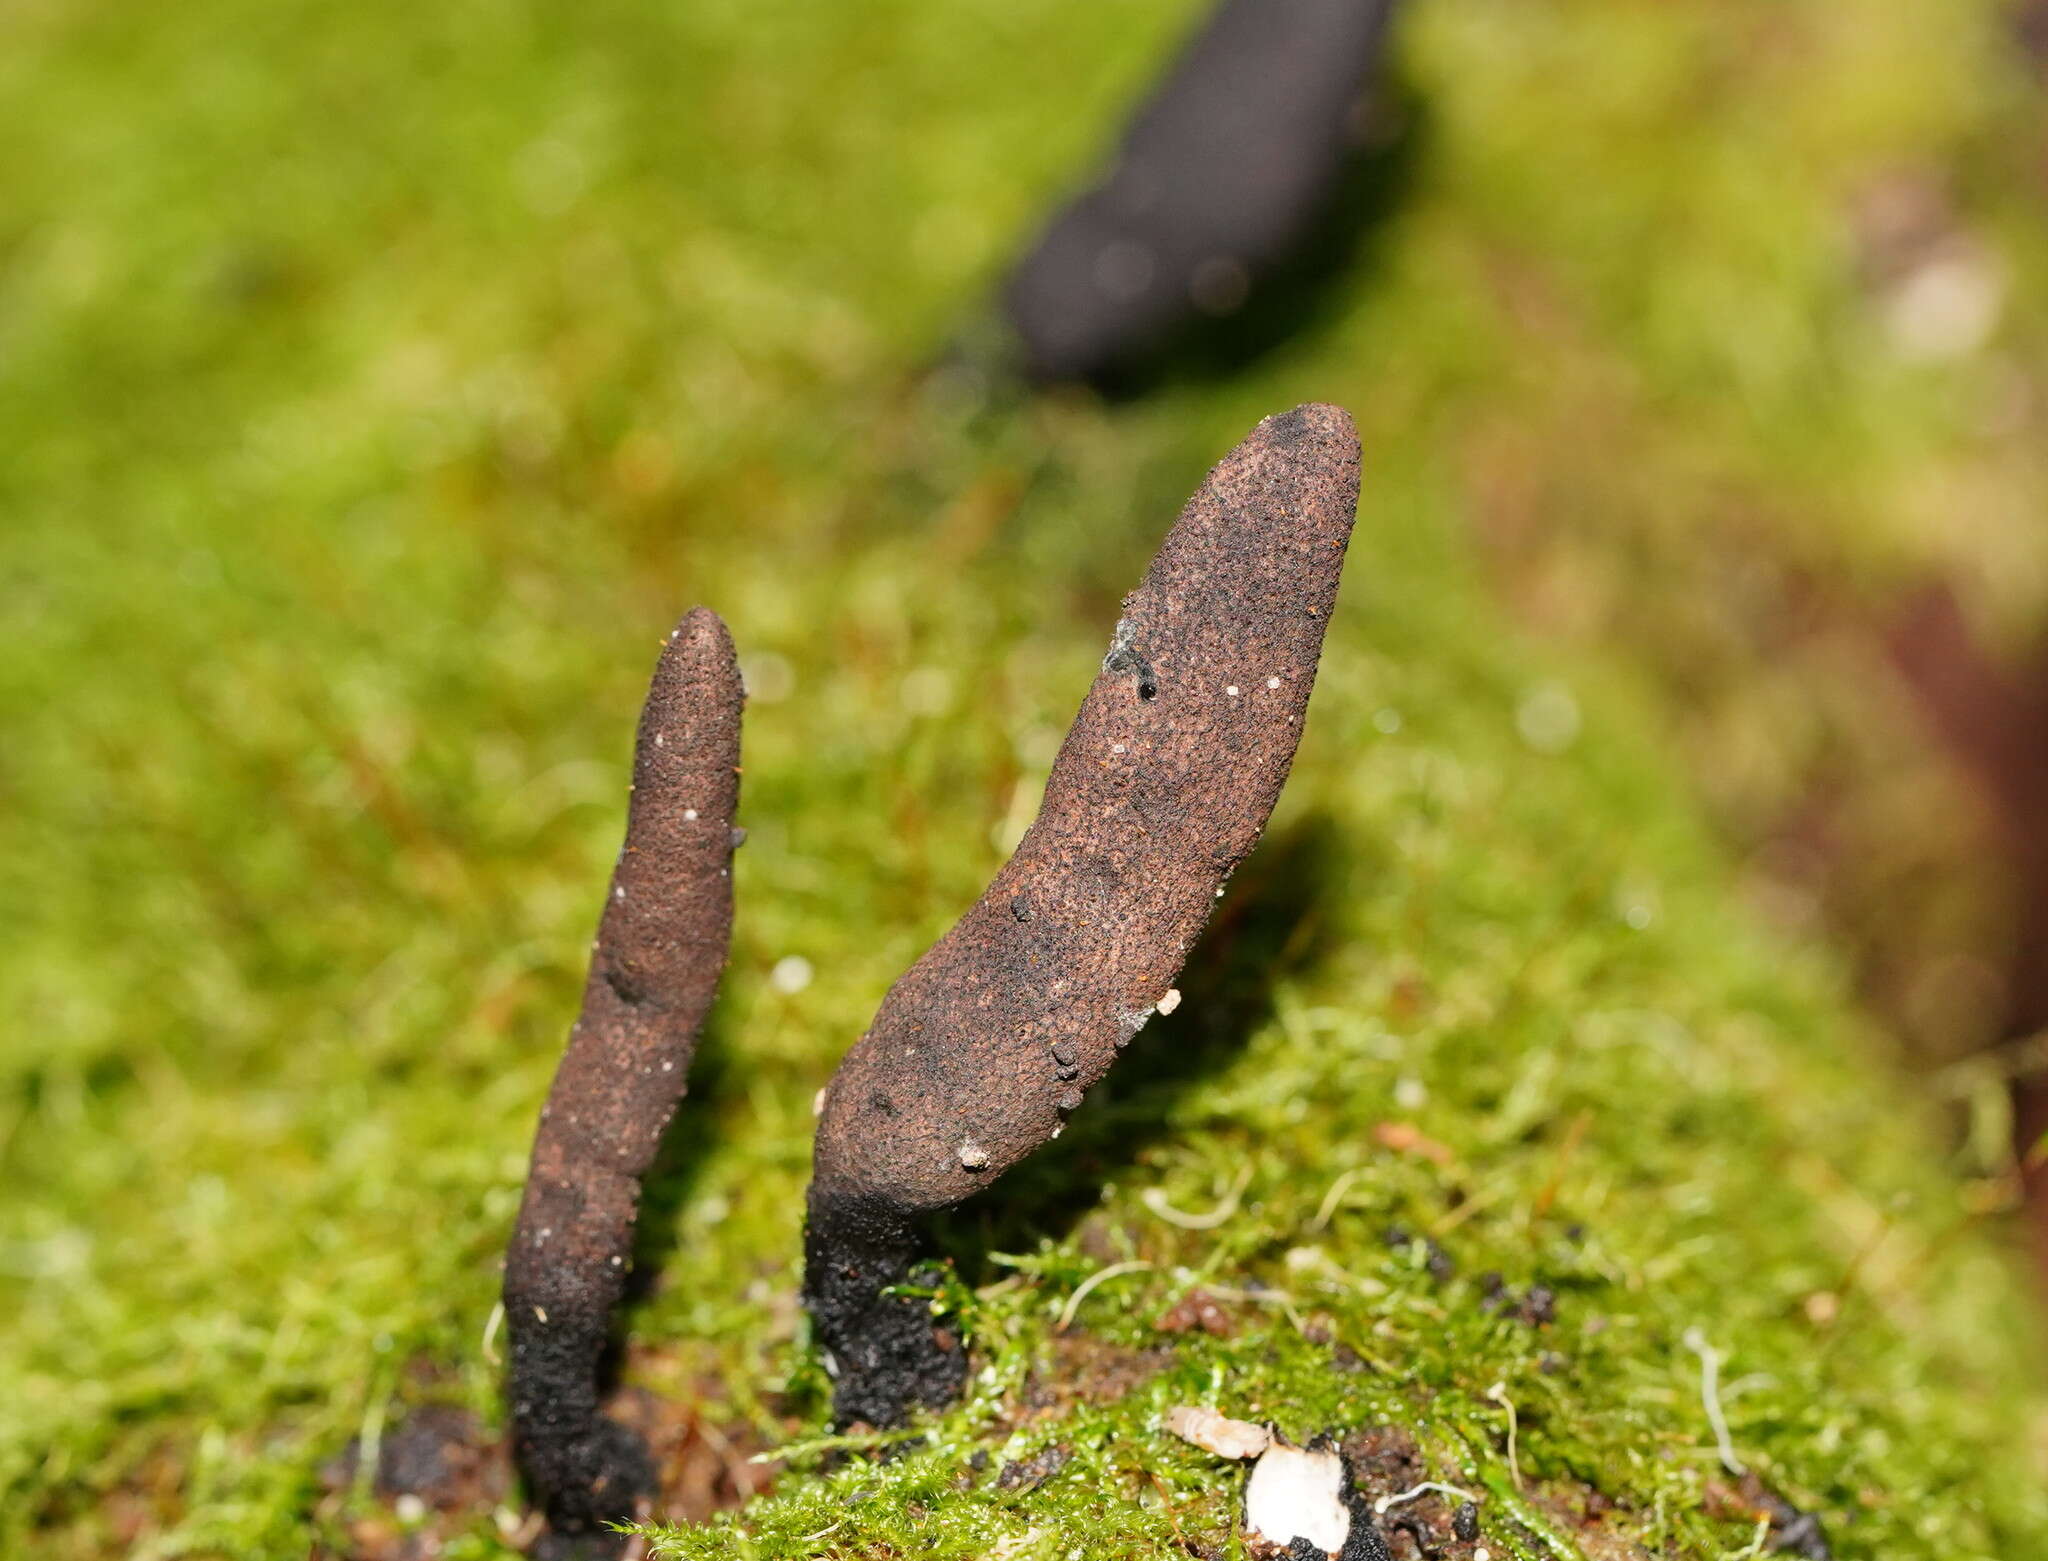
377, 383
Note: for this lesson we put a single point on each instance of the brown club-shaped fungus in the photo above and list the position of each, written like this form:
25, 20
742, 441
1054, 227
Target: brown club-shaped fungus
1163, 785
661, 944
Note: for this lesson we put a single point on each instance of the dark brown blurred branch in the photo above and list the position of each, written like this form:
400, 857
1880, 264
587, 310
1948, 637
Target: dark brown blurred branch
1220, 175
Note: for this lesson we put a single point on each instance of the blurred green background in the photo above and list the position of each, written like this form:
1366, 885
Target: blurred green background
378, 382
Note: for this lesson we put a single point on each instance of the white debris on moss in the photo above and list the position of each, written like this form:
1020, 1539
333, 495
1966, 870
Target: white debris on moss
1217, 1433
1297, 1493
1293, 1493
790, 974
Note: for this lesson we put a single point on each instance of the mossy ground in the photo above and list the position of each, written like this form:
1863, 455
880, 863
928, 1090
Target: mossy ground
378, 382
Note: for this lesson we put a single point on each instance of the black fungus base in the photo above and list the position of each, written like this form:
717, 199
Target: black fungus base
587, 1472
1364, 1542
887, 1356
596, 1478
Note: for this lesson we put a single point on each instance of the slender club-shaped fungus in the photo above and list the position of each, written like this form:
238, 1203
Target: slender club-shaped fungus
1163, 785
653, 971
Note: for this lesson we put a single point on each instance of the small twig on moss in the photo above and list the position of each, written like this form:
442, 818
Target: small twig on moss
370, 1438
654, 968
1710, 1398
1387, 1502
1282, 1299
1756, 1544
1335, 1196
1573, 1136
855, 1442
1086, 1286
1164, 783
1154, 1198
1499, 1394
